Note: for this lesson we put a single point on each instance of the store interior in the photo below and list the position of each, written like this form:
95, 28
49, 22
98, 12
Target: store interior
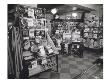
55, 41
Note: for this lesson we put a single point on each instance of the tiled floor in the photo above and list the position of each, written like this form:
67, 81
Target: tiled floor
70, 66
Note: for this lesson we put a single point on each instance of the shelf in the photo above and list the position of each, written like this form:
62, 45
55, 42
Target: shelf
51, 55
39, 69
87, 32
91, 38
35, 70
72, 20
40, 29
91, 32
95, 32
46, 57
94, 48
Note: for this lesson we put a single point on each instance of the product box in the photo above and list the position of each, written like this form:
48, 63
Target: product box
24, 22
90, 35
96, 44
31, 32
30, 22
27, 45
86, 35
25, 33
95, 36
34, 71
31, 12
27, 53
86, 30
42, 51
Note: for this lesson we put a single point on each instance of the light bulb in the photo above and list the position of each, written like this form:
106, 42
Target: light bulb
74, 14
54, 11
56, 17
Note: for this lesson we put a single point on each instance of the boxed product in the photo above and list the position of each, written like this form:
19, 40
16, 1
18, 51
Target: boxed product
44, 42
84, 40
75, 38
31, 32
86, 29
35, 22
101, 42
38, 39
31, 12
34, 48
66, 36
49, 16
22, 11
42, 51
97, 24
86, 35
44, 61
25, 32
95, 36
91, 30
26, 44
90, 35
37, 32
58, 42
49, 48
88, 42
24, 22
96, 44
39, 24
34, 64
27, 53
85, 44
30, 22
28, 57
95, 30
75, 46
91, 43
26, 38
57, 32
34, 71
39, 13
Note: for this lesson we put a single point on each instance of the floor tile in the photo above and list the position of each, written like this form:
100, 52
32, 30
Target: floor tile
80, 62
81, 67
72, 71
73, 66
64, 62
72, 62
65, 70
64, 65
65, 76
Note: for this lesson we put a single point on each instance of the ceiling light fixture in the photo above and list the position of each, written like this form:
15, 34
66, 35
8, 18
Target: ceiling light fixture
54, 11
74, 8
74, 14
56, 17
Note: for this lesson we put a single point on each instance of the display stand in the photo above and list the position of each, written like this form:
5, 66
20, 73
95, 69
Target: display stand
38, 51
93, 32
68, 33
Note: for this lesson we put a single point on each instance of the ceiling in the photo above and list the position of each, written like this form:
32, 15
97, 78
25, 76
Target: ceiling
49, 6
62, 8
